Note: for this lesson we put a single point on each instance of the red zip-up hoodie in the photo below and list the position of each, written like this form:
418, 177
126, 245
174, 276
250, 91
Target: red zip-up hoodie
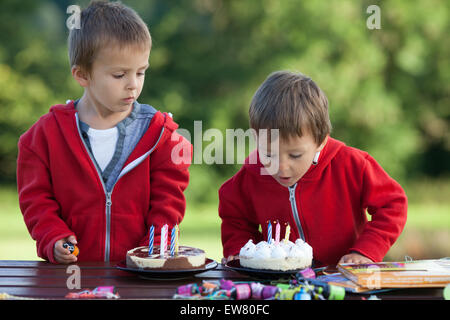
327, 206
61, 192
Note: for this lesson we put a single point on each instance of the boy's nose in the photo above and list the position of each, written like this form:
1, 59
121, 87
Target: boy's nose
132, 84
283, 168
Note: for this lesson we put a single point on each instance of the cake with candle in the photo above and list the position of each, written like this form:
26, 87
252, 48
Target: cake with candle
281, 255
186, 258
163, 257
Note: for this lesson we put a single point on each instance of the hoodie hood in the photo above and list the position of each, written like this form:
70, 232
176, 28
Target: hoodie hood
161, 128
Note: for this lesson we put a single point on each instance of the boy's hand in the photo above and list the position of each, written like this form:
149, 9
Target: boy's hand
355, 258
63, 255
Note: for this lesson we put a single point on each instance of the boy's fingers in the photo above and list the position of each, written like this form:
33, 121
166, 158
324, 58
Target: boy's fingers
60, 249
72, 239
347, 259
65, 258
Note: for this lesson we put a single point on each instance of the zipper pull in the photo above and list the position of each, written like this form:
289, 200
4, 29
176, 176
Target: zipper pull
108, 199
292, 191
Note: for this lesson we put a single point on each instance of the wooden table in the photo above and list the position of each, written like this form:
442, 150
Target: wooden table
42, 280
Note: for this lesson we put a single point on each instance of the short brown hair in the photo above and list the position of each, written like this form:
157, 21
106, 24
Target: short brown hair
104, 23
290, 102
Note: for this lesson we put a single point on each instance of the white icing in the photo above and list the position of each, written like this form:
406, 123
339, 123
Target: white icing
296, 252
278, 252
263, 252
262, 245
248, 250
284, 255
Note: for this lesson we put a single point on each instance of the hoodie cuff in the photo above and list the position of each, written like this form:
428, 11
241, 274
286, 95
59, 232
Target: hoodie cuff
371, 248
49, 249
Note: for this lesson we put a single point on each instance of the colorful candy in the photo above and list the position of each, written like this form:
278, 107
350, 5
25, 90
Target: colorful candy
300, 289
99, 292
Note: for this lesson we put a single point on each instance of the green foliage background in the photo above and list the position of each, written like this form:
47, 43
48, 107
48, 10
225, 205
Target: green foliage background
388, 89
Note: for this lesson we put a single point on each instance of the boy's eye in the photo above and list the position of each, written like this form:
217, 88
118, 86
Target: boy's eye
118, 76
295, 156
141, 74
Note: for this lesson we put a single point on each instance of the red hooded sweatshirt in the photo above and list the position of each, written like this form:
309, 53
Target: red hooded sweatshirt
326, 207
61, 193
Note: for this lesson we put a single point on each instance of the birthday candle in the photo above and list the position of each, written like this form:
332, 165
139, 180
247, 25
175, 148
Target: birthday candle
269, 233
288, 231
277, 233
163, 240
172, 241
177, 234
166, 237
150, 240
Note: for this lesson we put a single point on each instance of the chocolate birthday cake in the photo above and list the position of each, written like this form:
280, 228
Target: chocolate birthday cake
187, 258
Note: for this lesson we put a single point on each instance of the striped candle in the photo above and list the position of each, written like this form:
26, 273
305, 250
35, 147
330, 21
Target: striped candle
163, 246
288, 231
177, 235
269, 233
151, 238
277, 233
172, 241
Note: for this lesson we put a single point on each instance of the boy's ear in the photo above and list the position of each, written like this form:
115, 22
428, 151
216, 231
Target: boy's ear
80, 76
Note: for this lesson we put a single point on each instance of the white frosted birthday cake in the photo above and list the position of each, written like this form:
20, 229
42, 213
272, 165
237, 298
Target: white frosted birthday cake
282, 255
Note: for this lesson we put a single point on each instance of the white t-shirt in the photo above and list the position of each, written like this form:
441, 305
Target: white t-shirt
103, 144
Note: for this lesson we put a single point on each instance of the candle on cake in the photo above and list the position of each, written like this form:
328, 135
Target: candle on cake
269, 233
172, 241
163, 245
177, 235
288, 231
277, 232
150, 240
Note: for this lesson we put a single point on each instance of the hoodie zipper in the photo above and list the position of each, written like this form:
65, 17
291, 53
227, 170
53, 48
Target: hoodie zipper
108, 195
295, 211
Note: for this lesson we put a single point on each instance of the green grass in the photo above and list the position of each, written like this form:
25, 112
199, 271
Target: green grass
426, 235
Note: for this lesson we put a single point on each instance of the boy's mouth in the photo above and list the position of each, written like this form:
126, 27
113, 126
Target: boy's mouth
129, 99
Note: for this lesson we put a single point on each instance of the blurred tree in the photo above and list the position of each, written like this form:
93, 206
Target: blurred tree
388, 88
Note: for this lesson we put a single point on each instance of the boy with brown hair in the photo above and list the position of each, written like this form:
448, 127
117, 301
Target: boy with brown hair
97, 171
321, 188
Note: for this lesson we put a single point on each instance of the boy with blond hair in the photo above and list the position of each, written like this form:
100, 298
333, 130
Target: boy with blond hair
97, 171
322, 188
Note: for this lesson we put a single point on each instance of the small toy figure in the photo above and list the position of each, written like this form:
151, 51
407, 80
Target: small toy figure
72, 248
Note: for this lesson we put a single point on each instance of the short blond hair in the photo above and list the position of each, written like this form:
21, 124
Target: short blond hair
292, 103
105, 23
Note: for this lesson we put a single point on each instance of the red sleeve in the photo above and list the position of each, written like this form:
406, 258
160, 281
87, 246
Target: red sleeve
40, 210
238, 221
386, 202
169, 177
